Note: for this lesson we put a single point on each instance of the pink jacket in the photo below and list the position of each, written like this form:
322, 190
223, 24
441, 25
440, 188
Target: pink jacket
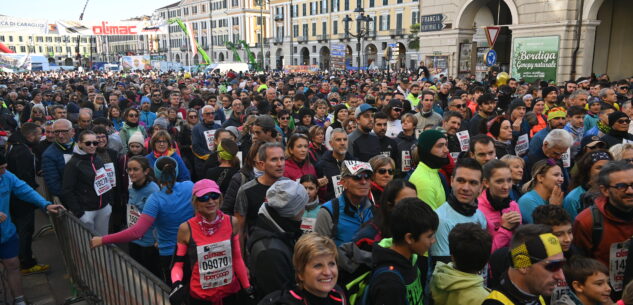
500, 236
294, 172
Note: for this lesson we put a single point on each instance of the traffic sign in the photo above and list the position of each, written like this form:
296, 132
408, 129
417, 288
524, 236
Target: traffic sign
491, 58
492, 33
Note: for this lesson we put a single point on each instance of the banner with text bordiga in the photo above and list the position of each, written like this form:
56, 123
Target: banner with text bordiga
535, 58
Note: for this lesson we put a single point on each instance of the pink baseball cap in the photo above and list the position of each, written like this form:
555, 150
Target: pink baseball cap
204, 187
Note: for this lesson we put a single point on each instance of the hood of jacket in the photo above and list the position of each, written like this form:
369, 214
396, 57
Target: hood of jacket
407, 138
383, 255
448, 279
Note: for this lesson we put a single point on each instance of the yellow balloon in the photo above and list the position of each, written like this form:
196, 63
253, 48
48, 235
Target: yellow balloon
502, 78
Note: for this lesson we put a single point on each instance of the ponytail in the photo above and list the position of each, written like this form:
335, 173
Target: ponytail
166, 171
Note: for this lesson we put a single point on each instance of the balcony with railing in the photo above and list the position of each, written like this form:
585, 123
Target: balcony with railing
301, 39
278, 40
397, 32
323, 37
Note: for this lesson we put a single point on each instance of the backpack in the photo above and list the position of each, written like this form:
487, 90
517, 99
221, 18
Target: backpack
358, 289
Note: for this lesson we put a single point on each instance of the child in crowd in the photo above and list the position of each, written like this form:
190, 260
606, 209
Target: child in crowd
311, 184
588, 280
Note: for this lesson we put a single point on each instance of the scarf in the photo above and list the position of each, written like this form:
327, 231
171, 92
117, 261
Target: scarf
427, 113
465, 209
131, 125
433, 161
168, 152
618, 134
209, 227
312, 205
603, 127
498, 204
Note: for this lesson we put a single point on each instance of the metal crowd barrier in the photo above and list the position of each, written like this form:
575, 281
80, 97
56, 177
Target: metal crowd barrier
105, 275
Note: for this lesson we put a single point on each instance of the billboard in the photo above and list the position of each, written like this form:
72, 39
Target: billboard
28, 26
534, 58
136, 63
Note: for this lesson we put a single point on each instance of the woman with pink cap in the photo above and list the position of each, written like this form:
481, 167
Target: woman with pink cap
210, 241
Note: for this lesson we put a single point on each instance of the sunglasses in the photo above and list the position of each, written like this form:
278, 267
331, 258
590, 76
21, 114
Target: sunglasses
91, 143
459, 105
624, 121
132, 115
624, 88
396, 109
286, 118
205, 198
628, 160
383, 171
553, 265
361, 176
61, 131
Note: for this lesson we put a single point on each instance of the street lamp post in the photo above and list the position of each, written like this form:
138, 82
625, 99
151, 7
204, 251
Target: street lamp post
362, 32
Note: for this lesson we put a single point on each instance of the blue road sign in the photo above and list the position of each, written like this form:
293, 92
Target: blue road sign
491, 58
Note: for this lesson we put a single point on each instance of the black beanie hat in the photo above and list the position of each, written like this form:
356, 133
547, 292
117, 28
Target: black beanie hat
547, 90
615, 116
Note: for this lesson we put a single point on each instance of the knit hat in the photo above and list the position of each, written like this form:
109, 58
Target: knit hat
547, 90
136, 137
535, 250
615, 116
265, 121
556, 112
145, 99
227, 149
287, 197
162, 122
353, 168
233, 130
516, 103
427, 139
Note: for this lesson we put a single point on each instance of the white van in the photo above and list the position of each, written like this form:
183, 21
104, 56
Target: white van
222, 68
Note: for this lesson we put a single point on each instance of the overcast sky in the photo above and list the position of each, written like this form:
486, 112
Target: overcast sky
71, 9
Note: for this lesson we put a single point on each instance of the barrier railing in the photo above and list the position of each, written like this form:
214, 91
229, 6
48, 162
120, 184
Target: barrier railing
105, 275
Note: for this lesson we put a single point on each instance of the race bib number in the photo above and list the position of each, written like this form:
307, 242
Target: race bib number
386, 154
566, 157
307, 224
215, 264
617, 263
67, 158
102, 183
209, 136
133, 214
455, 155
239, 157
464, 139
406, 161
523, 143
338, 187
417, 133
625, 141
109, 168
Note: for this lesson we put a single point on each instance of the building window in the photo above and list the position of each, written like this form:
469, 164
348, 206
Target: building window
2, 38
314, 29
372, 3
20, 39
203, 8
194, 9
335, 27
305, 31
324, 9
295, 30
304, 10
385, 2
415, 17
22, 49
347, 5
334, 5
324, 28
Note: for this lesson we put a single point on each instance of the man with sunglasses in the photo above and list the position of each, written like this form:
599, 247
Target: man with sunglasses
619, 124
394, 112
604, 230
56, 156
341, 217
537, 261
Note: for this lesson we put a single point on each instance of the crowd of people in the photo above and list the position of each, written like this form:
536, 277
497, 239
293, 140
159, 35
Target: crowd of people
332, 187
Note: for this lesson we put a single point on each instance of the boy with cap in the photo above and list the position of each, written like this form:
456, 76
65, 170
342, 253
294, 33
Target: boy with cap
363, 144
536, 268
340, 218
272, 240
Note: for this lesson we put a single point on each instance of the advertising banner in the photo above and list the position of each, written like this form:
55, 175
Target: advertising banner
338, 56
534, 58
28, 26
136, 63
23, 25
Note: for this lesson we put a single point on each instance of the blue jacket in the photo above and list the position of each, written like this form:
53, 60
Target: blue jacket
183, 171
53, 164
11, 185
537, 140
148, 118
449, 218
349, 220
198, 142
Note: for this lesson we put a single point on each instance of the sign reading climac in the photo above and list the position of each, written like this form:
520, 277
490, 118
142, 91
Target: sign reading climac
535, 58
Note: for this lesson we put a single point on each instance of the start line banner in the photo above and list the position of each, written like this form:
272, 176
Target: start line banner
27, 26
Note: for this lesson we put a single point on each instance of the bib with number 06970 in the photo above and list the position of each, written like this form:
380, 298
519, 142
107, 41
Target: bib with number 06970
102, 183
215, 264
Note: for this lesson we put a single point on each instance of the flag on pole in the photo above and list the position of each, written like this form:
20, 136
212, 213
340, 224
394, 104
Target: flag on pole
192, 40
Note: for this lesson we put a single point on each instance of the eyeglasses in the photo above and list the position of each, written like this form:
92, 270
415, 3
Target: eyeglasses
132, 115
628, 160
383, 171
205, 198
207, 113
624, 121
459, 105
162, 142
61, 131
91, 143
286, 118
361, 176
156, 95
622, 187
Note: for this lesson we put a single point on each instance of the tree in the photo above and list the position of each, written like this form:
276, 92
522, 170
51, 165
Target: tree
414, 39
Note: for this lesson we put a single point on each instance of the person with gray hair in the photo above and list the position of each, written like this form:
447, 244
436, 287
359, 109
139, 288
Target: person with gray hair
608, 96
555, 147
202, 137
579, 98
56, 156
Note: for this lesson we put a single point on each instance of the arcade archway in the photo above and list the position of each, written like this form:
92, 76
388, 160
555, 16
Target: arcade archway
324, 58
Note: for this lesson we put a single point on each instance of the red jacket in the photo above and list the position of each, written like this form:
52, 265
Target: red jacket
614, 231
294, 172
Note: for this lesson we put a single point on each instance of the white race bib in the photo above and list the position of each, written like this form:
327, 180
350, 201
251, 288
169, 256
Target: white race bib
523, 143
406, 161
338, 187
617, 263
417, 133
215, 264
102, 183
209, 136
566, 158
386, 154
239, 156
109, 168
307, 224
133, 214
464, 140
455, 155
